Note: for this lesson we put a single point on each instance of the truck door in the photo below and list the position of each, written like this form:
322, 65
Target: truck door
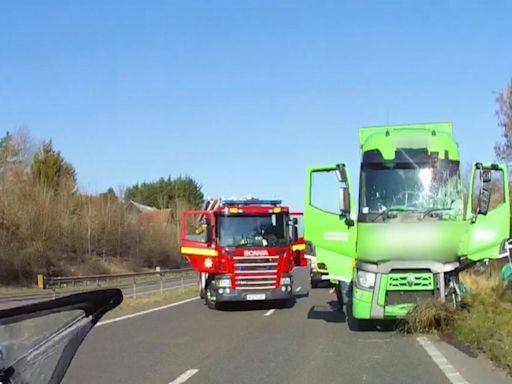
198, 239
329, 220
488, 210
298, 246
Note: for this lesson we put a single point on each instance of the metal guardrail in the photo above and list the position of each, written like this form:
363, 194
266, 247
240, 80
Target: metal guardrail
158, 279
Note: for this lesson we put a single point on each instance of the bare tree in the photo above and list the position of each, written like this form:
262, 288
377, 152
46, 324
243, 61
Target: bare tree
503, 149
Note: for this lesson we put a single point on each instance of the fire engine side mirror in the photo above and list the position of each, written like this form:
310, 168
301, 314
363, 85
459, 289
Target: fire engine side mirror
207, 228
295, 229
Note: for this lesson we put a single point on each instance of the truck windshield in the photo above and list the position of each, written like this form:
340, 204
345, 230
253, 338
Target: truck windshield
410, 187
252, 231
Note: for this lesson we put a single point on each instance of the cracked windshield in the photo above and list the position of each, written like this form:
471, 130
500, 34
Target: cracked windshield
411, 187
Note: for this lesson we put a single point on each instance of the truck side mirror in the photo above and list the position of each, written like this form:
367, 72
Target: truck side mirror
344, 201
484, 199
295, 229
208, 229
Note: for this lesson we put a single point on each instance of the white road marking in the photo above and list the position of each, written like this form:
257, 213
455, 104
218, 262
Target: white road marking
104, 322
269, 312
298, 289
184, 376
449, 370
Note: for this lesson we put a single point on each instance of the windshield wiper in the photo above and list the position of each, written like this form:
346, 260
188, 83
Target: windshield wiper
432, 210
387, 212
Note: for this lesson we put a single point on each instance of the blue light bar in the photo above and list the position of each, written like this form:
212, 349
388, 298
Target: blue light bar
251, 202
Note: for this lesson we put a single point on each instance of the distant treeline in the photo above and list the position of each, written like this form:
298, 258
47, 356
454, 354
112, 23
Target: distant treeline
48, 226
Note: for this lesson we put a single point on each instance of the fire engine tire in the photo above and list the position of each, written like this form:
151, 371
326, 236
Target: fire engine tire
314, 284
201, 292
210, 304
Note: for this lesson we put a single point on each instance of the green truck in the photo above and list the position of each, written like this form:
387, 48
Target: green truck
415, 228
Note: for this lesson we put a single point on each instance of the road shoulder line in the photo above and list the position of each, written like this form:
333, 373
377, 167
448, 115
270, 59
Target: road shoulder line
449, 370
105, 322
184, 376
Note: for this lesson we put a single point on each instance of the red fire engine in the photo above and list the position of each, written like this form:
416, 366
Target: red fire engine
244, 250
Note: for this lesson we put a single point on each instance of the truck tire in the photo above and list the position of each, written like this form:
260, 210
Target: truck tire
201, 291
208, 293
208, 301
314, 284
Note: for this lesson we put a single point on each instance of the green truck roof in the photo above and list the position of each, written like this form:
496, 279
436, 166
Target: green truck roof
435, 137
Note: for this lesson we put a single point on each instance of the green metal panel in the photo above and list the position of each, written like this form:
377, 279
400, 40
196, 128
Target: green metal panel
487, 233
334, 240
435, 137
383, 289
434, 240
362, 303
410, 281
397, 311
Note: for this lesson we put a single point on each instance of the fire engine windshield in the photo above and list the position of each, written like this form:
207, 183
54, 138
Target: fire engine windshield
410, 187
252, 231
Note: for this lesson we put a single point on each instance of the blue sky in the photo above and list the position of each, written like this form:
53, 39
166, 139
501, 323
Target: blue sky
243, 95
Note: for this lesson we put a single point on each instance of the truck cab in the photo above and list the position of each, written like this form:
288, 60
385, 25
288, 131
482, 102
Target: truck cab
244, 250
413, 231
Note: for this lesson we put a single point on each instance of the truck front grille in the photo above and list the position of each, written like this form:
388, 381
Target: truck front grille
410, 281
256, 272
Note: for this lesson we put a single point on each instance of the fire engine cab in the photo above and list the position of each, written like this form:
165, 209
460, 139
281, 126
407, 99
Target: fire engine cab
244, 250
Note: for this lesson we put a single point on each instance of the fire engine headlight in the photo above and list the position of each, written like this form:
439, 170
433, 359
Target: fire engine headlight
365, 279
286, 280
225, 283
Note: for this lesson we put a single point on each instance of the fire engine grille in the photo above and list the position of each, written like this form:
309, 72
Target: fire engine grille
256, 272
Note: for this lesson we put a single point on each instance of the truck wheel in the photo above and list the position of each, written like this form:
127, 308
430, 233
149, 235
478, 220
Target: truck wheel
314, 284
211, 304
201, 291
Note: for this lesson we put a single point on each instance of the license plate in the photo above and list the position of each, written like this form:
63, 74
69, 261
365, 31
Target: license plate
259, 296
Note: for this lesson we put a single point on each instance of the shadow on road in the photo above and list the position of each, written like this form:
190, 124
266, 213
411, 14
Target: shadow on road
301, 295
329, 313
255, 305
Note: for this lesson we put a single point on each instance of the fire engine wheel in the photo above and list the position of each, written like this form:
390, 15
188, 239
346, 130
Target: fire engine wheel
211, 304
201, 291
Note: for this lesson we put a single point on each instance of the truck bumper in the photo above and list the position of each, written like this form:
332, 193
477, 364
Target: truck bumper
395, 292
229, 294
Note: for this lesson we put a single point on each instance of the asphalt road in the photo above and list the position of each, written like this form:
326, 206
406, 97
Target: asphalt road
307, 343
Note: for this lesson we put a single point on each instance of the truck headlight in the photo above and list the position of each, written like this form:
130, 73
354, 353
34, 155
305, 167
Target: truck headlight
226, 283
286, 280
365, 279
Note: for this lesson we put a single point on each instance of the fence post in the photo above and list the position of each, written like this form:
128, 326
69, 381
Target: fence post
134, 288
182, 284
53, 291
161, 284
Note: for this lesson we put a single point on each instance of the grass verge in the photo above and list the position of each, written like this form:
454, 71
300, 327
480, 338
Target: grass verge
484, 322
152, 300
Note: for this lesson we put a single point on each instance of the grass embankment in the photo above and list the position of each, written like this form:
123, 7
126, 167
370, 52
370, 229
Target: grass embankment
143, 302
484, 322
